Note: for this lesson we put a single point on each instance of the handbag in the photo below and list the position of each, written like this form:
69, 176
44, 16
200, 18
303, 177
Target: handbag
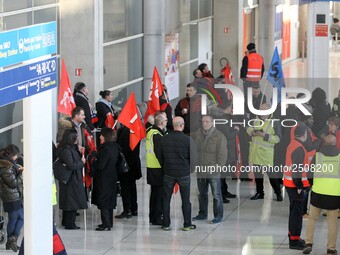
61, 172
122, 165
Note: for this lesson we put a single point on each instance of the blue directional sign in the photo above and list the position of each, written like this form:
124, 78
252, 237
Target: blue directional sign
27, 43
28, 80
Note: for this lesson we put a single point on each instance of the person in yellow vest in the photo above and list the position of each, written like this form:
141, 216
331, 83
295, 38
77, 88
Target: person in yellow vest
154, 175
325, 194
295, 180
252, 69
261, 152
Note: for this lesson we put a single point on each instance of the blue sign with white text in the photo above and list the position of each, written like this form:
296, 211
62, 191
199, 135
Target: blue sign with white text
28, 80
27, 43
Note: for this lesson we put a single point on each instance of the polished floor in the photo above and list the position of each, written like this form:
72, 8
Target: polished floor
248, 227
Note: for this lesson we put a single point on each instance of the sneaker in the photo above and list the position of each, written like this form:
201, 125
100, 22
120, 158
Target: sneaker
166, 228
297, 245
199, 217
332, 252
308, 249
192, 226
215, 221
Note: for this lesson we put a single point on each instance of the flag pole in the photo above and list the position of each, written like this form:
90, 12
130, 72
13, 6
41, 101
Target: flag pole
264, 91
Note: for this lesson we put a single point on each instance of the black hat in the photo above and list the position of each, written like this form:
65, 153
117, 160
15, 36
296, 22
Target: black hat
251, 46
300, 130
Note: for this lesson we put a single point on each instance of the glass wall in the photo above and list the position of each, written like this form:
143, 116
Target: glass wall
123, 47
22, 14
192, 13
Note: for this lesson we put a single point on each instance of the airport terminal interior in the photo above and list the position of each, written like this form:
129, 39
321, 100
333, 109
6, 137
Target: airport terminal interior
115, 45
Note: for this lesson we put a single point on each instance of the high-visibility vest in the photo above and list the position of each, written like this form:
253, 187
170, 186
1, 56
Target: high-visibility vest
327, 177
151, 159
254, 70
261, 152
288, 174
310, 154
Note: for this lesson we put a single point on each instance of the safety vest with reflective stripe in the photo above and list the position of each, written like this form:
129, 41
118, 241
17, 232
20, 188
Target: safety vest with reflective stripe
254, 70
310, 154
151, 159
261, 152
288, 174
327, 175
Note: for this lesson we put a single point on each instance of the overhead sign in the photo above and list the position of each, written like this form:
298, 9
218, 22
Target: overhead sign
27, 43
28, 80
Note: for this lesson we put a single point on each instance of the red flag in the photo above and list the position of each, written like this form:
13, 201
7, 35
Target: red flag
65, 99
175, 188
130, 118
156, 91
110, 121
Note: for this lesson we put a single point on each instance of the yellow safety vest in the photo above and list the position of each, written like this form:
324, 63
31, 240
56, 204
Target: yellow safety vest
261, 152
326, 175
151, 159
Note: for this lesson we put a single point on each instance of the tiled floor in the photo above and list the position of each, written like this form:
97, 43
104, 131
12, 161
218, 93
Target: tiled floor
248, 228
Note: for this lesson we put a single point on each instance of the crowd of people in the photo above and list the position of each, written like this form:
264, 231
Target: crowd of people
184, 141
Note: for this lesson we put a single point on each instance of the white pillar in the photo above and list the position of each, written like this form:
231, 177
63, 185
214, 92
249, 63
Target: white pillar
38, 173
318, 48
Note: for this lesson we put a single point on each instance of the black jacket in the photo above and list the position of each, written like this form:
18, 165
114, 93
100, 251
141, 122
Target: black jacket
102, 111
105, 176
230, 133
81, 100
178, 154
131, 156
11, 185
72, 195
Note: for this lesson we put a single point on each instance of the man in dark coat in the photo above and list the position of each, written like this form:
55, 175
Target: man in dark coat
177, 155
80, 98
154, 170
128, 180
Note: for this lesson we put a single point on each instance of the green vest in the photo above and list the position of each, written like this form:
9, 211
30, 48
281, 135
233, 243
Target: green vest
326, 175
261, 152
151, 159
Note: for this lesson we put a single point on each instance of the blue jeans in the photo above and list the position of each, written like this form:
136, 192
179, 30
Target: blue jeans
15, 222
203, 185
184, 187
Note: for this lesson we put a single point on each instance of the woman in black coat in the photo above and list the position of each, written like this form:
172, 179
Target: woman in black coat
104, 107
104, 193
128, 180
72, 195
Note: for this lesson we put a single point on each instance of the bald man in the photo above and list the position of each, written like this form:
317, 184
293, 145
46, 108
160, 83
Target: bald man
177, 157
264, 133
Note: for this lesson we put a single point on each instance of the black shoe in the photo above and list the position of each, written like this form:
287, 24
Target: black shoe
257, 196
308, 248
279, 198
124, 215
229, 195
297, 245
12, 243
332, 252
73, 227
157, 223
102, 228
135, 213
226, 200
